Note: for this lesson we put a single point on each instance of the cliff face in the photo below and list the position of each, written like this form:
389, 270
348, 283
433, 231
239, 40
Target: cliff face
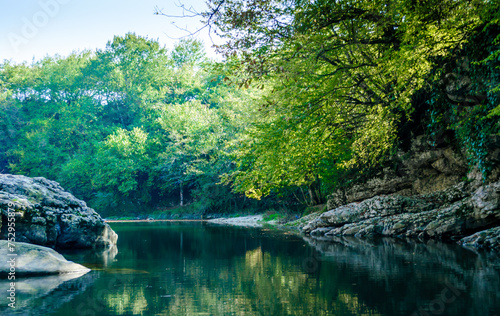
45, 214
424, 169
426, 198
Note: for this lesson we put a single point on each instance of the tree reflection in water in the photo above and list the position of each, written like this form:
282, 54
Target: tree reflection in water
194, 268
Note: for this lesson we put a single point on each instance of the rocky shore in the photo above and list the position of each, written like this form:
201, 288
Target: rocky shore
40, 211
37, 260
430, 195
444, 215
243, 221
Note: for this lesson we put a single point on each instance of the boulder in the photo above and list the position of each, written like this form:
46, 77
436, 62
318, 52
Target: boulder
41, 212
27, 259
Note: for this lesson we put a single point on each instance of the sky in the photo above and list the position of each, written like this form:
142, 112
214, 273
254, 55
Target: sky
33, 29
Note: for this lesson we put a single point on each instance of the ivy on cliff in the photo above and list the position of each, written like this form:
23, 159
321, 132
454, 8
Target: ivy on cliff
465, 94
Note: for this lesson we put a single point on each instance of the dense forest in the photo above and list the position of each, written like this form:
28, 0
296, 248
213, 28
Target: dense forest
310, 96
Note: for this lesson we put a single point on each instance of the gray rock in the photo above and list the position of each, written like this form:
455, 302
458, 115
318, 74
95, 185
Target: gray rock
485, 239
452, 194
320, 231
377, 207
425, 169
45, 214
28, 259
452, 213
486, 201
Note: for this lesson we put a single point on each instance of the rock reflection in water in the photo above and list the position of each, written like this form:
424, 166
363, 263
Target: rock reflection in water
423, 277
92, 258
41, 295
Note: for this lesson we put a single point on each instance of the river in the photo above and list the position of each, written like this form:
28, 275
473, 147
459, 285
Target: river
195, 268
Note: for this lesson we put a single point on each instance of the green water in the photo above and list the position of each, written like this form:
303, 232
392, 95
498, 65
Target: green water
193, 268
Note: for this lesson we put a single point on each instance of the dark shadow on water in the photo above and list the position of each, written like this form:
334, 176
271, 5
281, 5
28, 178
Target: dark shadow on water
422, 278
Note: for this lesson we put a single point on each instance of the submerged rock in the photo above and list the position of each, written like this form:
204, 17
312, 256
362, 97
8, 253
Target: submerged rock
42, 213
28, 259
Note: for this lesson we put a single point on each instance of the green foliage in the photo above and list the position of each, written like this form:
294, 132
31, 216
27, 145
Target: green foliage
464, 96
312, 97
188, 52
124, 161
126, 128
491, 17
337, 78
271, 216
313, 209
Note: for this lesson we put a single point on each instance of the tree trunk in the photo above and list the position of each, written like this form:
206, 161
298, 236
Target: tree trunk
181, 195
315, 194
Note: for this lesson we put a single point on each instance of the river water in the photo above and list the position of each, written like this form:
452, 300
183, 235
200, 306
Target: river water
195, 268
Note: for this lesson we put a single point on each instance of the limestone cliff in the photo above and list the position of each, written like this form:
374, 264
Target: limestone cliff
432, 195
424, 169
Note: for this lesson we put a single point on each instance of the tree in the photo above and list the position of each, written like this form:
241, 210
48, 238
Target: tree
125, 159
190, 52
339, 75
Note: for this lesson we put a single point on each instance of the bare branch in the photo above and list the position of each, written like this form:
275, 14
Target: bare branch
191, 13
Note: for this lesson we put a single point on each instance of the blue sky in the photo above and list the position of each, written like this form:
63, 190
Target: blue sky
33, 29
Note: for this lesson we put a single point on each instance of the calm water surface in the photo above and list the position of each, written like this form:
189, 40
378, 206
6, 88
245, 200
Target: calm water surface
193, 268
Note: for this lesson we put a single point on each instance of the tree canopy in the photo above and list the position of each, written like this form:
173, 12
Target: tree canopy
311, 96
340, 76
129, 126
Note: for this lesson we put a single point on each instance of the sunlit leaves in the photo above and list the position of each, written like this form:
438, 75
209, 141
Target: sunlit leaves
122, 158
188, 52
342, 75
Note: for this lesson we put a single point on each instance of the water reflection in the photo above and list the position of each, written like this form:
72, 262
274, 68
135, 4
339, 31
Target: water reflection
93, 258
425, 278
197, 269
41, 295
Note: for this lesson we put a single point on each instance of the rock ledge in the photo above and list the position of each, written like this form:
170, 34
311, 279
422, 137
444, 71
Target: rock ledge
450, 214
